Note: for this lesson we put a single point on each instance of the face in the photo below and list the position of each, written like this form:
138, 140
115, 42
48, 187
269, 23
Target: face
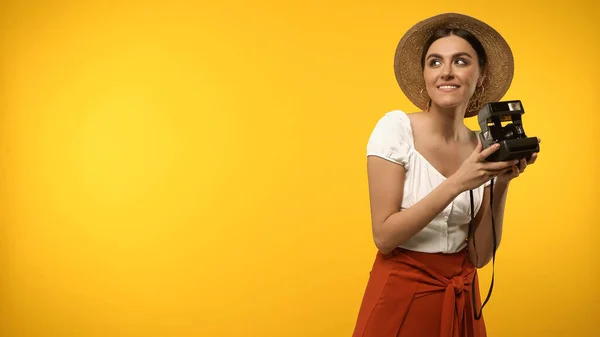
451, 72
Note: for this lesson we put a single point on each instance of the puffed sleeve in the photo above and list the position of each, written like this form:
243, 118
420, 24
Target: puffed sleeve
391, 139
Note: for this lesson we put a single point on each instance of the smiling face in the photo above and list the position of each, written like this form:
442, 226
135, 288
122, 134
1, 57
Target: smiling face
451, 72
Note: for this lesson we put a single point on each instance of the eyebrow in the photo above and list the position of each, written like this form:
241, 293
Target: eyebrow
455, 55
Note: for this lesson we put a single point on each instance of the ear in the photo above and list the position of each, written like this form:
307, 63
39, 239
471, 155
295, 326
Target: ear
482, 78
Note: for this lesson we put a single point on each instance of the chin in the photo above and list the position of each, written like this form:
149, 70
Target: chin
448, 104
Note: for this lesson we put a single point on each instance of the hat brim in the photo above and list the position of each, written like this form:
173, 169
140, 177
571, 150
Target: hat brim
407, 60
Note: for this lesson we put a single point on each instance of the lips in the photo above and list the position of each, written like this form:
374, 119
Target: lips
448, 86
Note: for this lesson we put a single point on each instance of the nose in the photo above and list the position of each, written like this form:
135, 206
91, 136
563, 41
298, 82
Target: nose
447, 71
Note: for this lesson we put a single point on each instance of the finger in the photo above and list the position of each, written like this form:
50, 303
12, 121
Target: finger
498, 173
512, 171
477, 149
487, 152
479, 145
499, 165
522, 165
533, 158
502, 171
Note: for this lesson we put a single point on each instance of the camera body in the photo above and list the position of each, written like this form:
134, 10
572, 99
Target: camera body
501, 122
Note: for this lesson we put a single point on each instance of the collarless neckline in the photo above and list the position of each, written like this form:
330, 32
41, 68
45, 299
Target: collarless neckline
412, 139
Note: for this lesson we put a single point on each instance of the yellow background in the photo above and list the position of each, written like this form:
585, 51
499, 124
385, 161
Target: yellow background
198, 169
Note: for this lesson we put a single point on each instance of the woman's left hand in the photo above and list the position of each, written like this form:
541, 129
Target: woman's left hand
516, 170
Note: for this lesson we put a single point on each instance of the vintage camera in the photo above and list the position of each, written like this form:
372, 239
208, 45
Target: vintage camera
500, 122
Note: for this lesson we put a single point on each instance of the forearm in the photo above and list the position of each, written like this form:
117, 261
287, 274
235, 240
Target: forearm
401, 226
484, 239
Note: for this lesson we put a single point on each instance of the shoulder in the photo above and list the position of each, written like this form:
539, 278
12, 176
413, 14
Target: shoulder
394, 117
393, 125
391, 137
397, 120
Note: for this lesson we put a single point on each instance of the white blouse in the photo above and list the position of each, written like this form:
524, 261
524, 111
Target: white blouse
392, 139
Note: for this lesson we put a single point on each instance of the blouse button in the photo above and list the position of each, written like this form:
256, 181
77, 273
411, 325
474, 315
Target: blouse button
446, 217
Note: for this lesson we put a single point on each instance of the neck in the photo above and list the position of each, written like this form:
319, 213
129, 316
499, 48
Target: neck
448, 123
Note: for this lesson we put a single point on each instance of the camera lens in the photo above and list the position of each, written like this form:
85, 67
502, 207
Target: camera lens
519, 129
509, 131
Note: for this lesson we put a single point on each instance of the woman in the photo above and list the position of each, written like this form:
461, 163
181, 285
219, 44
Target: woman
430, 185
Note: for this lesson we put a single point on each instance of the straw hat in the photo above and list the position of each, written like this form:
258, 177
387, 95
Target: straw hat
407, 60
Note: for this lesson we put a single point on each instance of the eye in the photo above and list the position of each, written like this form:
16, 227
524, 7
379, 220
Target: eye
434, 63
461, 61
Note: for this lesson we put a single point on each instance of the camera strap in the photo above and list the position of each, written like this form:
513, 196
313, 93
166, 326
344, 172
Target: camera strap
494, 240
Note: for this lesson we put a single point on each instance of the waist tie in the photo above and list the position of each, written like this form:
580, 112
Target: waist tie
456, 290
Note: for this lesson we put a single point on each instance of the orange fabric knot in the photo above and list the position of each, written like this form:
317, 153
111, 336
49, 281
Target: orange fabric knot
458, 284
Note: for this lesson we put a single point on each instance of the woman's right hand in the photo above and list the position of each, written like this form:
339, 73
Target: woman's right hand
476, 171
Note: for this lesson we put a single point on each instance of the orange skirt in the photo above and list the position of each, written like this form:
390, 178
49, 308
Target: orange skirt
412, 294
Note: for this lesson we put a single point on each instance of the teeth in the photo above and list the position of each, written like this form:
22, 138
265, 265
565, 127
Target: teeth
448, 87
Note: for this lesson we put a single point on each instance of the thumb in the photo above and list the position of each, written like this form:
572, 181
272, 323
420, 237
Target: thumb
477, 148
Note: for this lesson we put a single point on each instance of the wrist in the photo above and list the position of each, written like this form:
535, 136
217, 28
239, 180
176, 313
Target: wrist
454, 186
501, 183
